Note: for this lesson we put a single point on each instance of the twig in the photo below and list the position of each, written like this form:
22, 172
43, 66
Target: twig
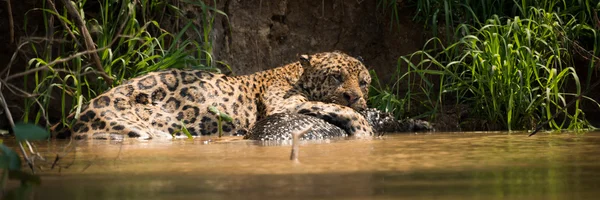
10, 87
597, 25
295, 137
63, 23
56, 159
580, 49
14, 56
66, 150
89, 43
539, 127
12, 124
79, 54
54, 62
10, 21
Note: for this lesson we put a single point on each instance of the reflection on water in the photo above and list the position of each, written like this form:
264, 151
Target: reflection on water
448, 166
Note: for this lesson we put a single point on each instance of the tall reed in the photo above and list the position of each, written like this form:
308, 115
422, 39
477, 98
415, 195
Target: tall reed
130, 40
511, 72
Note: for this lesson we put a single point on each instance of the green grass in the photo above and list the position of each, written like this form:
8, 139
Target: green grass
130, 42
512, 65
451, 13
511, 72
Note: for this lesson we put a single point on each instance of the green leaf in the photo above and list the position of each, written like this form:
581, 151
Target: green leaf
186, 131
10, 156
25, 131
223, 115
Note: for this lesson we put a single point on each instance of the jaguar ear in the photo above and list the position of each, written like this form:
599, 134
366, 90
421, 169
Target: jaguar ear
305, 60
359, 58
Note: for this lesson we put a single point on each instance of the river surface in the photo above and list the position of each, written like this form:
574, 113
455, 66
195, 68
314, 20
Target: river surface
475, 165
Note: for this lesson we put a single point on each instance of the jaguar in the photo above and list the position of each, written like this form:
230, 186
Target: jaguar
331, 86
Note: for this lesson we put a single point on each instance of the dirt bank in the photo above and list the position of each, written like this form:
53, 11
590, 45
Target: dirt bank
266, 34
263, 34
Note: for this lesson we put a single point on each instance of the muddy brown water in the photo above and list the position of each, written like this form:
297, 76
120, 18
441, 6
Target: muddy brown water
401, 166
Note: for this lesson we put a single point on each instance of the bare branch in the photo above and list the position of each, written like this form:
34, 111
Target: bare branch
89, 43
63, 23
14, 56
295, 139
11, 23
62, 60
12, 125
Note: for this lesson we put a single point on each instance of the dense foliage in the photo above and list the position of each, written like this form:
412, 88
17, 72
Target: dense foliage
126, 39
510, 62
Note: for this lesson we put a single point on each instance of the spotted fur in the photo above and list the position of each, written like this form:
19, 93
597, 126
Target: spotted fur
331, 85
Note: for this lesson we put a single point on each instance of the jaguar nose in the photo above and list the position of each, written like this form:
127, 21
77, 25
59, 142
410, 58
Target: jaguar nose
350, 97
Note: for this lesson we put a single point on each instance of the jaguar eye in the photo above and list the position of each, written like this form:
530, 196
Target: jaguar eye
337, 78
363, 83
